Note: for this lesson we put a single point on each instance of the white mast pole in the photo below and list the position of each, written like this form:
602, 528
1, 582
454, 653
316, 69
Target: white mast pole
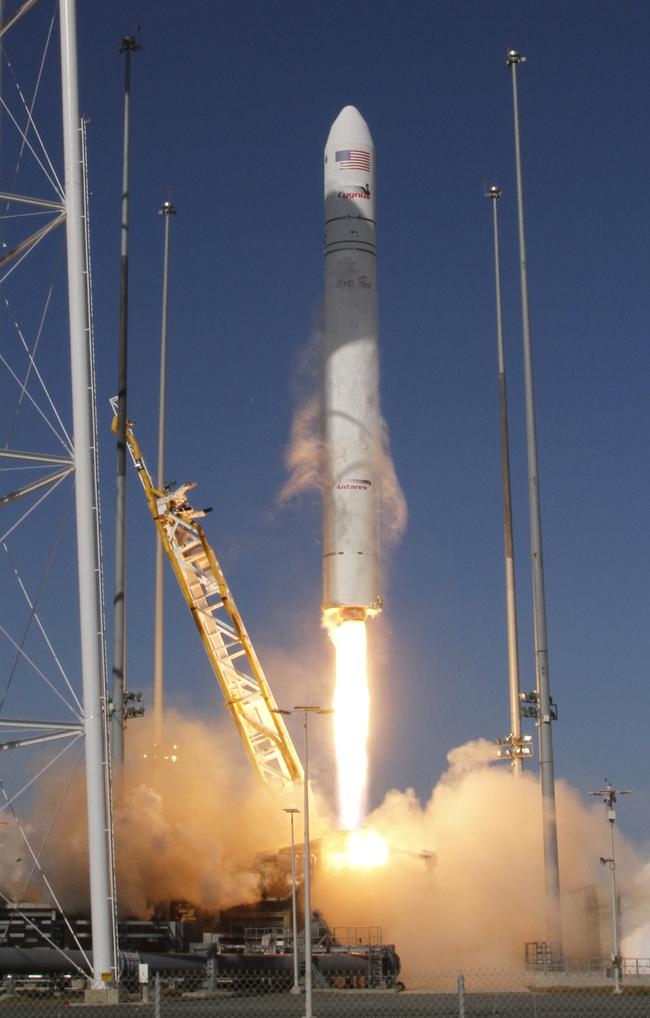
516, 744
545, 709
88, 557
167, 210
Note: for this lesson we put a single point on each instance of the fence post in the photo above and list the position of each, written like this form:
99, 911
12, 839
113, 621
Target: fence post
143, 978
211, 970
461, 995
156, 995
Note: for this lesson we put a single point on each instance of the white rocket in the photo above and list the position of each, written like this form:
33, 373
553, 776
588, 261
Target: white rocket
351, 418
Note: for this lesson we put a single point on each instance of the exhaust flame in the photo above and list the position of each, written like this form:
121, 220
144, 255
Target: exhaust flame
351, 720
363, 849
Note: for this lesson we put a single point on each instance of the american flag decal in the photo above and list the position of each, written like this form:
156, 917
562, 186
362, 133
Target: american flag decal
353, 159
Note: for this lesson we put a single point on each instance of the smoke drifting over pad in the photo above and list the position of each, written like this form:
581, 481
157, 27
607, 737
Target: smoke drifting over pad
188, 829
463, 882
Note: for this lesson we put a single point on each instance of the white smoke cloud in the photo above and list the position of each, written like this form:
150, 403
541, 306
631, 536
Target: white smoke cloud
465, 879
183, 830
635, 938
304, 454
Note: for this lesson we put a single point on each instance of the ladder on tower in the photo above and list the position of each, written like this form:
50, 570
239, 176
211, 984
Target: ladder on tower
231, 654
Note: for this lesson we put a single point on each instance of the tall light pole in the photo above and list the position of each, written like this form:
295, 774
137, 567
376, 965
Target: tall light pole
544, 709
128, 47
608, 795
294, 913
514, 746
167, 210
307, 710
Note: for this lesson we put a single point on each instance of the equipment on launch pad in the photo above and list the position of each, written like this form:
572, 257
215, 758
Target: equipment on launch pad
226, 642
247, 959
261, 961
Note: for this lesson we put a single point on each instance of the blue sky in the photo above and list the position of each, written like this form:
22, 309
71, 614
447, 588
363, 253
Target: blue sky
231, 107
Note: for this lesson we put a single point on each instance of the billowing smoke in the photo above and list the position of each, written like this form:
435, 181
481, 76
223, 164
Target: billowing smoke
304, 454
184, 829
394, 511
464, 883
15, 861
635, 942
465, 880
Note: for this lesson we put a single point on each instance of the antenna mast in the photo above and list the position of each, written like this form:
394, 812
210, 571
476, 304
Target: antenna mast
608, 795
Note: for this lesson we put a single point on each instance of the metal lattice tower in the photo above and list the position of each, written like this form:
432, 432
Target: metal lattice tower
231, 654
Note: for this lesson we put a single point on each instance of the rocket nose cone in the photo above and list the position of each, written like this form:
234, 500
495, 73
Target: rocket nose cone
349, 125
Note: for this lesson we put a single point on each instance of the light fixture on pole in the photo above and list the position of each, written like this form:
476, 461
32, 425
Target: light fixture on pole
608, 795
296, 982
307, 710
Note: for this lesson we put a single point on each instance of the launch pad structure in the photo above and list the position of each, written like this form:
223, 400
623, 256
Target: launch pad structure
228, 646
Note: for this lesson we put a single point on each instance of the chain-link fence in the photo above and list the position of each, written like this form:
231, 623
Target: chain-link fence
207, 993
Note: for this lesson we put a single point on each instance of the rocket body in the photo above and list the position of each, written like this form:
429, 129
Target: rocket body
351, 417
